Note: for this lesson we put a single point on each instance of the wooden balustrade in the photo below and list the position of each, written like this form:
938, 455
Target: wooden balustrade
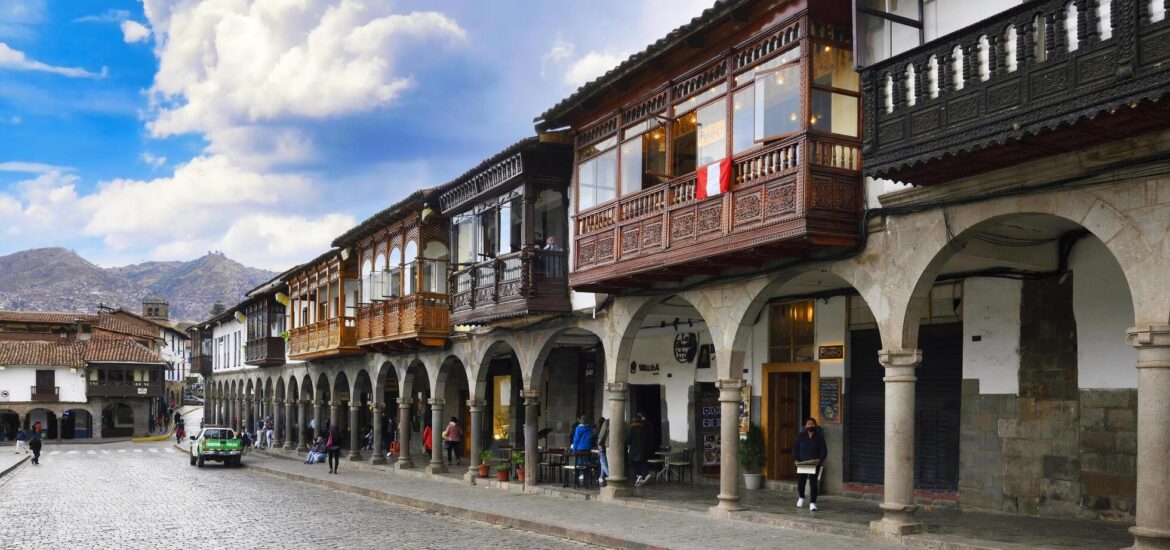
527, 281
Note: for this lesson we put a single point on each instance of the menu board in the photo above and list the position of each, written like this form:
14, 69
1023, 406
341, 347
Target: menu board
830, 400
709, 426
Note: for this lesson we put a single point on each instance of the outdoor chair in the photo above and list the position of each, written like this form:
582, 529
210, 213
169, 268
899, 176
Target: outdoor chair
680, 466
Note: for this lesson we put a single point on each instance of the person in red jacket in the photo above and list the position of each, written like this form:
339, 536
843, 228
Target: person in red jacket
426, 435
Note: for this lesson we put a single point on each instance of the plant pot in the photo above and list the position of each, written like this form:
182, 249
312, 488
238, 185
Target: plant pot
753, 481
502, 475
483, 470
520, 474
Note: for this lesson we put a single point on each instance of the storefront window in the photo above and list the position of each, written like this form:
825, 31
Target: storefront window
597, 180
777, 102
502, 408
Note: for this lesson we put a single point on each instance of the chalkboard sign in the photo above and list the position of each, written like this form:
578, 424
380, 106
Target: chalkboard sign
830, 400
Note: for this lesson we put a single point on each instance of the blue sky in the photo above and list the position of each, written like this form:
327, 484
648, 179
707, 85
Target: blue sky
162, 129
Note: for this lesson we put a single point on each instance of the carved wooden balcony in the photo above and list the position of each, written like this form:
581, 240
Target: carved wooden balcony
265, 352
1042, 78
522, 283
201, 364
332, 337
110, 388
46, 393
788, 198
418, 320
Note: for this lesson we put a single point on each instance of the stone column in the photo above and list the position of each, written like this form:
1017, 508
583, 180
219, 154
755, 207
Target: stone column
290, 425
437, 466
318, 426
60, 428
377, 456
302, 428
531, 455
898, 503
729, 400
617, 485
355, 436
404, 461
476, 408
1153, 439
277, 423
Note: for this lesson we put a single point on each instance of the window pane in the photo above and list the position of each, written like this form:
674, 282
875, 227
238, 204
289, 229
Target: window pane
516, 225
743, 120
785, 58
631, 152
505, 225
488, 232
550, 218
778, 102
587, 185
833, 66
464, 242
712, 133
684, 143
836, 113
606, 176
690, 104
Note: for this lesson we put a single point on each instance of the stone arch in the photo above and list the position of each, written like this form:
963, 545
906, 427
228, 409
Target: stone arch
548, 342
632, 323
342, 389
386, 380
279, 395
323, 392
307, 388
10, 421
77, 424
118, 419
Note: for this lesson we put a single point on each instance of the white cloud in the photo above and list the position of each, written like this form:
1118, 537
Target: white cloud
31, 167
312, 59
560, 51
17, 17
15, 59
591, 66
133, 31
110, 16
153, 161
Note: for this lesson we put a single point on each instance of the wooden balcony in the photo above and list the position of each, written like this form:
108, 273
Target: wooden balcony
332, 337
44, 394
201, 364
418, 320
265, 352
512, 285
1015, 87
110, 388
787, 199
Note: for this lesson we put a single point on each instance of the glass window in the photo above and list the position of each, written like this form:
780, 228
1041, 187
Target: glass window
409, 279
644, 160
488, 233
684, 136
689, 105
881, 36
463, 230
597, 180
394, 274
502, 407
511, 226
777, 102
551, 219
833, 112
791, 333
789, 56
711, 135
434, 270
833, 67
743, 120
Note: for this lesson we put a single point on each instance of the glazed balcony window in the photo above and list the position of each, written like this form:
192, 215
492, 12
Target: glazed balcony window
643, 156
777, 102
597, 177
835, 90
700, 135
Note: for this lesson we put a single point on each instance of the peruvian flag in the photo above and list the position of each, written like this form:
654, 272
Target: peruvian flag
714, 178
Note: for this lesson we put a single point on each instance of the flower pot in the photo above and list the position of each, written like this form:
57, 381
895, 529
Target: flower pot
753, 481
483, 470
520, 474
502, 475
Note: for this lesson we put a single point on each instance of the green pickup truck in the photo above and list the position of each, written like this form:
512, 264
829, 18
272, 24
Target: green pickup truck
216, 443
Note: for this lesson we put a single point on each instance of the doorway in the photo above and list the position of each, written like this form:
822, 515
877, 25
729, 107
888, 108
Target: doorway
788, 399
647, 399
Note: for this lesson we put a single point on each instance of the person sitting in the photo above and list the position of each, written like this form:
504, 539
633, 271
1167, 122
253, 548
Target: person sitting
316, 453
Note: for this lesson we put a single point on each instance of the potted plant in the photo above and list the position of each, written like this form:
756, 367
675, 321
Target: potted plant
751, 457
485, 460
518, 463
502, 470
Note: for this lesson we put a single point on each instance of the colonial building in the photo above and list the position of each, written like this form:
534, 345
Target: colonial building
952, 258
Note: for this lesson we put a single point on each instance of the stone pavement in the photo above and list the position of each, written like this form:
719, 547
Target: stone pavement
584, 520
145, 495
10, 459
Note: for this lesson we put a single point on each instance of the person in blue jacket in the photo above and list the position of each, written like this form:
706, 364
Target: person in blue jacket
582, 435
809, 445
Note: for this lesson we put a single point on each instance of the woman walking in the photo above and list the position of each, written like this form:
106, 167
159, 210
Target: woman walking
454, 441
639, 449
333, 448
35, 446
426, 435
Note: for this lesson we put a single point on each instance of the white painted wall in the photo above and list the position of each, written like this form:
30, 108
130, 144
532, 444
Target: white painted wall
830, 320
1104, 310
874, 189
234, 330
658, 348
991, 311
20, 380
941, 17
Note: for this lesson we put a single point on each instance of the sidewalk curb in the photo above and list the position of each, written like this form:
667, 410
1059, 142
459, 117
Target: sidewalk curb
579, 535
9, 469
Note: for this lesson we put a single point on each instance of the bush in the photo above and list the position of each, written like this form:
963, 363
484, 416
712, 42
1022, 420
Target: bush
751, 450
503, 466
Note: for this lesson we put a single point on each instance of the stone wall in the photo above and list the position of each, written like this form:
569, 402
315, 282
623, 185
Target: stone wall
1108, 452
981, 448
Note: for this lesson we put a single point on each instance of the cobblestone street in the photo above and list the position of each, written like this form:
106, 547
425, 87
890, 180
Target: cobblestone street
144, 495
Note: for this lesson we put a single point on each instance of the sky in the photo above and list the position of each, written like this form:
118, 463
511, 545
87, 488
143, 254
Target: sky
143, 130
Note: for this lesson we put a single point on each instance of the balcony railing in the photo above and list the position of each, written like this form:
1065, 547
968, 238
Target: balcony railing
1043, 77
111, 388
512, 284
46, 393
201, 364
335, 336
265, 352
423, 318
775, 192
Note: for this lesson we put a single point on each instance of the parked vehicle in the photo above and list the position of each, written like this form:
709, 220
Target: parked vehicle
216, 443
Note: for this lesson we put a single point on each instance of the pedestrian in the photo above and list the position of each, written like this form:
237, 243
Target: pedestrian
180, 432
639, 448
269, 431
602, 442
368, 439
454, 440
333, 448
21, 441
178, 417
35, 445
809, 450
260, 434
426, 435
582, 441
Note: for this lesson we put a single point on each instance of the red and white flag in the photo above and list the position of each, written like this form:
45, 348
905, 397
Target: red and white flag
714, 178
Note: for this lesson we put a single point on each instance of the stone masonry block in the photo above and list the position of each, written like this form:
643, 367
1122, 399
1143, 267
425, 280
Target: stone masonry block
1127, 443
1121, 419
1092, 462
1057, 489
1007, 407
1108, 399
1093, 418
1099, 484
1120, 464
1009, 428
1099, 440
1066, 447
1061, 468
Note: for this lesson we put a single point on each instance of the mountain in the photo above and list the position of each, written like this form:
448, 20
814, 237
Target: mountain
56, 279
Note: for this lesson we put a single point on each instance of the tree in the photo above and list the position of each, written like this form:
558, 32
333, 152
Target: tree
217, 309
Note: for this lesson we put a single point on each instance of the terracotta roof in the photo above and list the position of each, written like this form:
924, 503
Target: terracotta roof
111, 322
118, 350
62, 317
42, 354
552, 117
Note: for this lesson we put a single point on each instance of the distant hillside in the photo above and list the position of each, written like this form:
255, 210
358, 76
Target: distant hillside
56, 279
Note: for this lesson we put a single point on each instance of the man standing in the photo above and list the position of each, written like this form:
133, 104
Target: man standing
21, 441
269, 431
809, 450
35, 445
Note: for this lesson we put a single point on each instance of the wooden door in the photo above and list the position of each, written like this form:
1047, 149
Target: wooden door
783, 421
46, 379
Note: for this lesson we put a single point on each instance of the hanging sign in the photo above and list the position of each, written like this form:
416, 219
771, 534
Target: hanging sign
686, 344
